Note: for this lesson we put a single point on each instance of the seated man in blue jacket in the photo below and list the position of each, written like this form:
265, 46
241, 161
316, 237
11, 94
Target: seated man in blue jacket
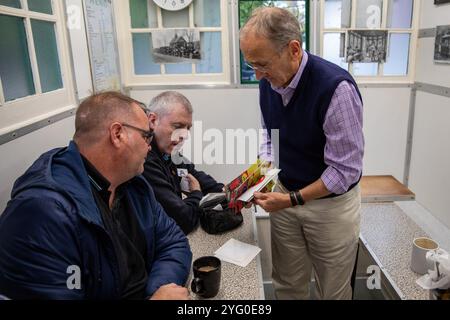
170, 115
83, 224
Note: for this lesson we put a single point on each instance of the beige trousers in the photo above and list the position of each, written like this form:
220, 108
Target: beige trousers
321, 237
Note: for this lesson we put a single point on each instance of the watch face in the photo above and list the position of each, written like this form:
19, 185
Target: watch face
173, 5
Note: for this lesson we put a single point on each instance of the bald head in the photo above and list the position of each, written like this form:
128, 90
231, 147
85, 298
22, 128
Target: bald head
277, 25
97, 112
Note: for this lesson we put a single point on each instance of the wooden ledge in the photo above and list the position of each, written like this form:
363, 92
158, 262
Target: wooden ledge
384, 189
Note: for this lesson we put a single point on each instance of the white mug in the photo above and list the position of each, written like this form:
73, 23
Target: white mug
420, 248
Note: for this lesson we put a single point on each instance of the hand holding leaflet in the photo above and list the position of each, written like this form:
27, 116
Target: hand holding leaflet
255, 174
248, 195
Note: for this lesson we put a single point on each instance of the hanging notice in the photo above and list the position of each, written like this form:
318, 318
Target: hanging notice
102, 45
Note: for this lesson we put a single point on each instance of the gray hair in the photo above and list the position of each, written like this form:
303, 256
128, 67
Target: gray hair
275, 24
97, 112
164, 103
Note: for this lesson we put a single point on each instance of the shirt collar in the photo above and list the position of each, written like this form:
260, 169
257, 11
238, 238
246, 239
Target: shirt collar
99, 182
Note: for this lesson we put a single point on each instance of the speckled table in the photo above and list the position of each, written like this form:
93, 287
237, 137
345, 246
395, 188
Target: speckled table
237, 283
388, 232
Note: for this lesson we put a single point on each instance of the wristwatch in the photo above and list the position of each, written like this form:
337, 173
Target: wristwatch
299, 198
296, 198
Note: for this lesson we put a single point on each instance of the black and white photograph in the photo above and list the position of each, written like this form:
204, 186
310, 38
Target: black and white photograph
366, 46
442, 44
176, 46
441, 1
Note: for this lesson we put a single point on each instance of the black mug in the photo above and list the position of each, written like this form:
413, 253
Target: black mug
206, 281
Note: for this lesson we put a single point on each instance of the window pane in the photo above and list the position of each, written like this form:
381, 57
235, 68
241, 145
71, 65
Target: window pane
11, 3
337, 13
15, 67
179, 68
44, 6
142, 55
298, 9
211, 48
174, 19
207, 13
398, 55
365, 69
368, 13
143, 14
333, 48
47, 55
400, 13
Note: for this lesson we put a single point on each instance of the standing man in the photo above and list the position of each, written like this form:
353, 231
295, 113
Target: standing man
83, 224
317, 108
170, 119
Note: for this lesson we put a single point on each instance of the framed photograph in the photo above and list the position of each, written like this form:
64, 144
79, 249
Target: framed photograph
441, 1
176, 46
442, 44
366, 46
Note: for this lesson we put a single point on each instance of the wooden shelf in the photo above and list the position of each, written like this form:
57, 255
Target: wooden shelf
384, 189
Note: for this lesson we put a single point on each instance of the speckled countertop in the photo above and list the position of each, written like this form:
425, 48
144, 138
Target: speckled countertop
237, 283
389, 233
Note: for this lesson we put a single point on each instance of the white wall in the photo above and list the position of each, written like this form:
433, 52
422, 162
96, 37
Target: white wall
426, 70
20, 153
386, 112
221, 109
430, 158
385, 123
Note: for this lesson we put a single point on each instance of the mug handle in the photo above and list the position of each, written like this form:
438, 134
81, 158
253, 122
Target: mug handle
197, 286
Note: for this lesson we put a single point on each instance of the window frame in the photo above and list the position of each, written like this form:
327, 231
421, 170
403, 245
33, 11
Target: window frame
413, 31
240, 60
39, 105
125, 31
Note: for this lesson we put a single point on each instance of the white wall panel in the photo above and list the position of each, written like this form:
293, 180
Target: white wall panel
427, 70
386, 113
385, 123
20, 153
430, 172
432, 15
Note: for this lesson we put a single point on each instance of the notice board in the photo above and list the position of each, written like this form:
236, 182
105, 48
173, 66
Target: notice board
102, 43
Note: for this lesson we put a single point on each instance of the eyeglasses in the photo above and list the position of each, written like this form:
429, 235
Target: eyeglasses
146, 134
266, 67
260, 68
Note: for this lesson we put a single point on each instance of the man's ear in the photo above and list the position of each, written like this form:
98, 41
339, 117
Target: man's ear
116, 134
295, 48
153, 120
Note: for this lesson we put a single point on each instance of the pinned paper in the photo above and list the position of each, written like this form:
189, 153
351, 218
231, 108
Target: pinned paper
237, 252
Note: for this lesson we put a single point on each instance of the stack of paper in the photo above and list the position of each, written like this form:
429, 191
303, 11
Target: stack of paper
237, 252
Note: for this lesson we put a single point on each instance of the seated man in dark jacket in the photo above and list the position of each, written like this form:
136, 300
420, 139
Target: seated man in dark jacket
170, 115
83, 224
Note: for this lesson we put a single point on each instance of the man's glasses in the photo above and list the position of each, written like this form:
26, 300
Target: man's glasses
146, 134
256, 67
267, 66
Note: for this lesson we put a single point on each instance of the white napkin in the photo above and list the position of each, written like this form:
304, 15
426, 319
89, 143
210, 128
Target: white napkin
237, 252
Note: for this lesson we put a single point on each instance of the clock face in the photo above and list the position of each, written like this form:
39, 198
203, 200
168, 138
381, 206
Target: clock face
173, 5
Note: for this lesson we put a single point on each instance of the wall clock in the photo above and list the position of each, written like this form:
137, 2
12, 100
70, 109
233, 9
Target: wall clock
173, 5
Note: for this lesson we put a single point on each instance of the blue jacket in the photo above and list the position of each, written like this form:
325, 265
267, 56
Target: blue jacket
52, 226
